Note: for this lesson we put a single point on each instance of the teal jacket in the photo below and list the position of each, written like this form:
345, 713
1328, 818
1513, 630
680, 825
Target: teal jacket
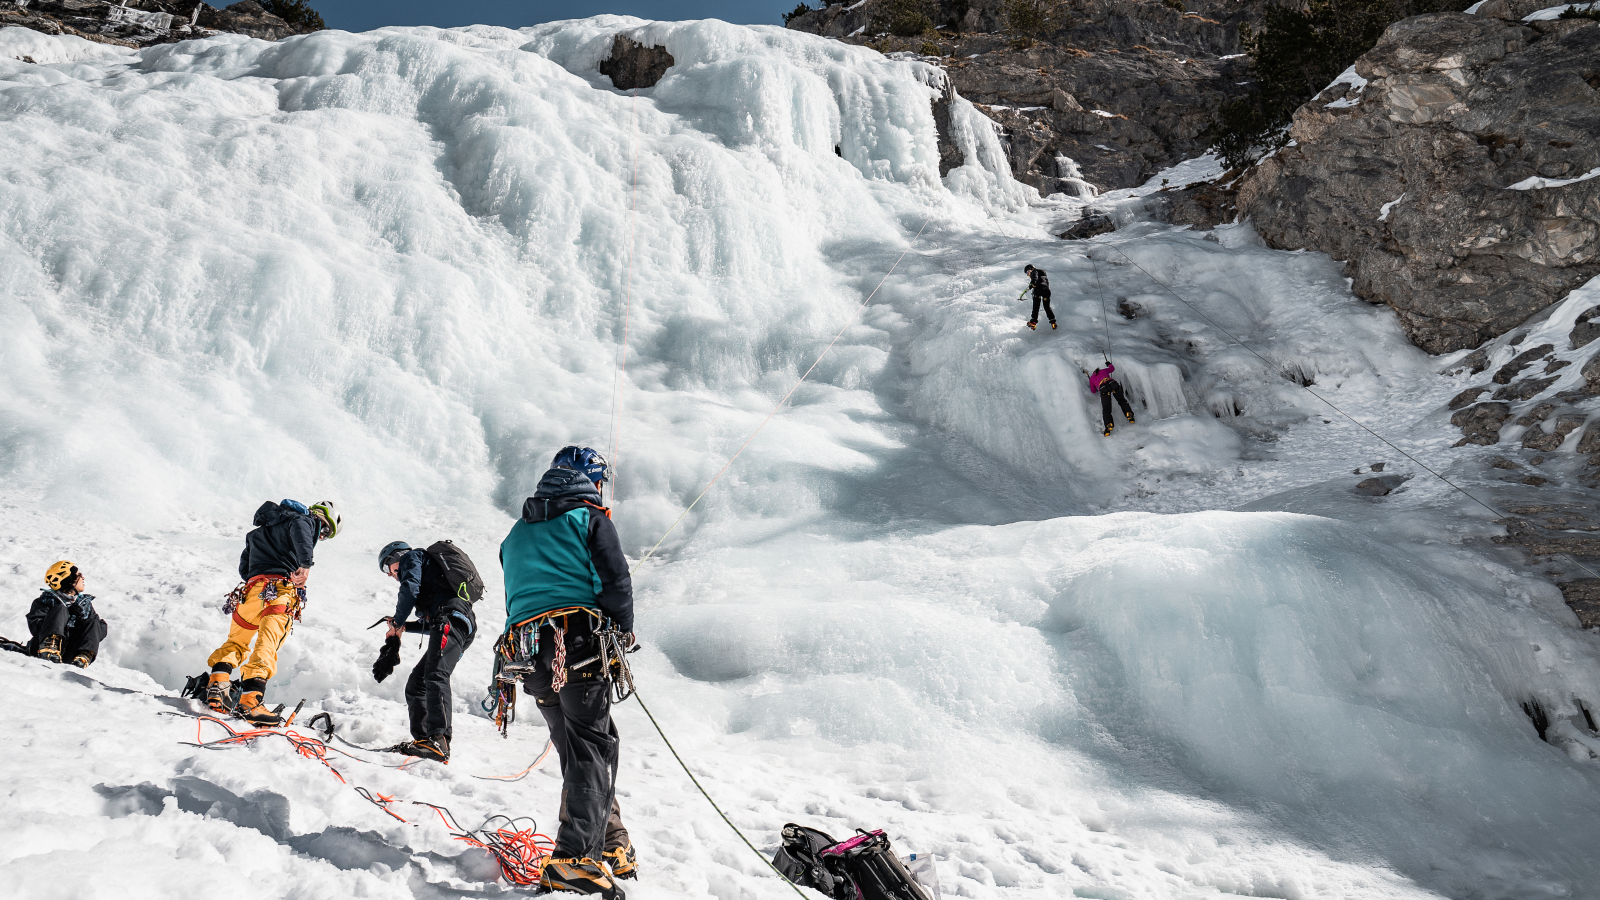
565, 552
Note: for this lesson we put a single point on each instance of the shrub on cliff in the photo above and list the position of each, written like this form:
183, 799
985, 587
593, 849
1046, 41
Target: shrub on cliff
905, 18
297, 13
1034, 18
1296, 53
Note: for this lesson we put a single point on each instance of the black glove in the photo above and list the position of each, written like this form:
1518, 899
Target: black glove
388, 658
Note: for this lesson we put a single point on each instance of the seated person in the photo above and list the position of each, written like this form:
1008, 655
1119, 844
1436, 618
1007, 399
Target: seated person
63, 621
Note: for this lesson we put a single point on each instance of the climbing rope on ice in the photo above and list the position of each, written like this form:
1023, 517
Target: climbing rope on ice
627, 308
785, 399
622, 679
518, 851
1105, 319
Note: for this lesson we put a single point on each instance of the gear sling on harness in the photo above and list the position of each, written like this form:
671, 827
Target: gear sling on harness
516, 654
262, 610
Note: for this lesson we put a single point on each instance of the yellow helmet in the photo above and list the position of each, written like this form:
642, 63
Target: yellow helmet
62, 574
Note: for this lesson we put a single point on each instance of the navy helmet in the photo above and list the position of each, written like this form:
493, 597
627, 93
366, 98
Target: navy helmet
585, 460
389, 552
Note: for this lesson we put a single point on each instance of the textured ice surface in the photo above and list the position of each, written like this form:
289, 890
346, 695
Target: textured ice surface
391, 269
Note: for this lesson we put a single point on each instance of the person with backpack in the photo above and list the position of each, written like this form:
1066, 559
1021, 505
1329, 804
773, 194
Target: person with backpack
275, 564
1039, 283
63, 621
1101, 382
567, 590
439, 584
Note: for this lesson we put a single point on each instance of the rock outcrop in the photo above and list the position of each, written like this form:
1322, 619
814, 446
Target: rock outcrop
1457, 172
1123, 90
632, 65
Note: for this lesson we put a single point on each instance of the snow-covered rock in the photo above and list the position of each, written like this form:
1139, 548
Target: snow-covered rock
1484, 128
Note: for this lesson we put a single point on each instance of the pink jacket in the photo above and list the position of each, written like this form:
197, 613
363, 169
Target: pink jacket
1099, 377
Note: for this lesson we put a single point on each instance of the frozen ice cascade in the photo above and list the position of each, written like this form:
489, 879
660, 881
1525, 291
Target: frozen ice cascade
392, 269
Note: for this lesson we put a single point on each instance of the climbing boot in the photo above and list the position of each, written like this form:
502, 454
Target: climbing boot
219, 695
436, 748
82, 660
1109, 427
1052, 324
621, 861
252, 710
581, 876
50, 649
1033, 326
1129, 415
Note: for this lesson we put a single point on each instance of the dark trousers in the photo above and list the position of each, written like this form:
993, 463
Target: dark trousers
82, 635
428, 688
1108, 389
1039, 298
586, 741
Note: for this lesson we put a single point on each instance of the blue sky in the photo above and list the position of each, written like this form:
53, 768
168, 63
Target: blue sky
363, 15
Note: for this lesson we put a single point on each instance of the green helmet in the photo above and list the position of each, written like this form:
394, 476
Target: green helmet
328, 516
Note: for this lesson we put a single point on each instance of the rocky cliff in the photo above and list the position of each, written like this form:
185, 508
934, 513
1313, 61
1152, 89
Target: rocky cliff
140, 23
1111, 94
1456, 169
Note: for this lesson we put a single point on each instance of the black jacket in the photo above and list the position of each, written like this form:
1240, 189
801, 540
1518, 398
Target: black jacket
281, 543
562, 490
80, 607
1040, 283
423, 589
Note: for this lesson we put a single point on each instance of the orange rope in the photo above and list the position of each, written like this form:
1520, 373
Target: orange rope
548, 746
519, 852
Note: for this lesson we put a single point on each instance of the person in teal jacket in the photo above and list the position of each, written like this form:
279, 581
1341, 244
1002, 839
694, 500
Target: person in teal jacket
564, 573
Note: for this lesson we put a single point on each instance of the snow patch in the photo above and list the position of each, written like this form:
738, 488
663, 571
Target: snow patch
1200, 170
1554, 12
1383, 213
47, 49
1536, 183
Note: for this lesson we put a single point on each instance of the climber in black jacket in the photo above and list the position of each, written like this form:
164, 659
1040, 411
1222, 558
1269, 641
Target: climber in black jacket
1039, 283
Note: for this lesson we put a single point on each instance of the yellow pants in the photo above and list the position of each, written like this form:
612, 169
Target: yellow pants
265, 616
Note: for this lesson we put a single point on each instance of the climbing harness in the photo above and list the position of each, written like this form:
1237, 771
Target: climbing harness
1329, 403
276, 586
516, 654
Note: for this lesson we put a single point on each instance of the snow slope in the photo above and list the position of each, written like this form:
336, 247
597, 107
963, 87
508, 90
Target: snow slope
394, 269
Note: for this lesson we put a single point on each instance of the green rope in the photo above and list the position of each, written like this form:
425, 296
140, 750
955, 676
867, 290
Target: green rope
713, 803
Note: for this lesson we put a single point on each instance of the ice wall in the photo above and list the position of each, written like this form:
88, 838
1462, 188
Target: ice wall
394, 267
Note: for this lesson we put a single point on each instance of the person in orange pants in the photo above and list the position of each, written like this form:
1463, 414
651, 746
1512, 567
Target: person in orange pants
276, 561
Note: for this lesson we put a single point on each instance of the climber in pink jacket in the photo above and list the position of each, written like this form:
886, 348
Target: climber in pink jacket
1101, 382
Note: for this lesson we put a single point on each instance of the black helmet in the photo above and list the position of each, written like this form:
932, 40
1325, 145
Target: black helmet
389, 552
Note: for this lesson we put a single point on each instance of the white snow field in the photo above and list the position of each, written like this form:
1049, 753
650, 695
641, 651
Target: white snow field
394, 269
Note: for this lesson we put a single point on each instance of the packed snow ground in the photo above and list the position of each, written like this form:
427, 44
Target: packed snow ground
392, 269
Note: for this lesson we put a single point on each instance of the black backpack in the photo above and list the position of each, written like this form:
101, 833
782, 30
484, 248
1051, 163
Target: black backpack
863, 867
460, 575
